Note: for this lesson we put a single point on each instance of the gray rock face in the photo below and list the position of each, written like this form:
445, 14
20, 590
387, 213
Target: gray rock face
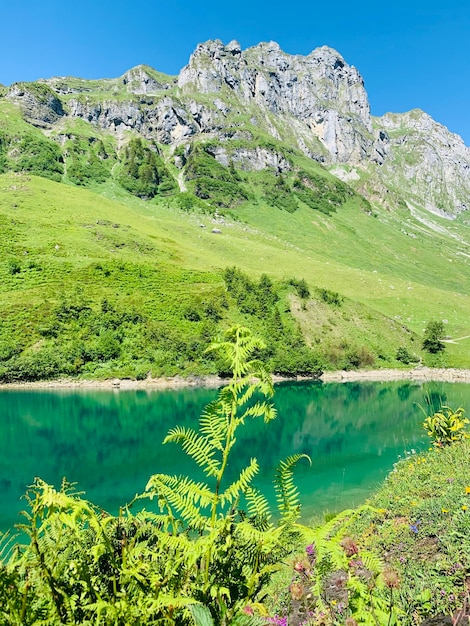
166, 122
254, 159
427, 161
319, 90
140, 80
39, 103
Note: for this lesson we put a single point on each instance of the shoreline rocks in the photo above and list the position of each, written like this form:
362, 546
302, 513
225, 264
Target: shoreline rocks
418, 374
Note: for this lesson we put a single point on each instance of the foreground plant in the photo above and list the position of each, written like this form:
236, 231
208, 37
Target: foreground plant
205, 557
338, 581
446, 426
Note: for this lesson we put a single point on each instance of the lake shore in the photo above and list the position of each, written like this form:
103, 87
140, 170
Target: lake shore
417, 374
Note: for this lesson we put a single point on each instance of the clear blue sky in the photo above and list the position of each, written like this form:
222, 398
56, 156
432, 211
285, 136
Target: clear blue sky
411, 53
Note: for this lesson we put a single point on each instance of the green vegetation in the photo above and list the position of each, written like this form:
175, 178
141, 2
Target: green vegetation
319, 193
38, 156
212, 181
401, 558
433, 336
154, 264
446, 426
208, 552
143, 172
89, 161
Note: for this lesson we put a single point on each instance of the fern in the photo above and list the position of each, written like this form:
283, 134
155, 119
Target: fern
199, 559
201, 449
241, 485
257, 505
287, 495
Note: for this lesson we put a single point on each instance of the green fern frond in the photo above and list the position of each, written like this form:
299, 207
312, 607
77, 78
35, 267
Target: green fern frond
287, 495
257, 504
183, 495
200, 448
214, 423
239, 486
372, 561
237, 349
260, 409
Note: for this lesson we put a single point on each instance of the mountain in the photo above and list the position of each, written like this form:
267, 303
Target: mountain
369, 211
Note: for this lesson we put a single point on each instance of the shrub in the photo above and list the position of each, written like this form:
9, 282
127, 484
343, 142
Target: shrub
39, 156
433, 336
143, 172
446, 426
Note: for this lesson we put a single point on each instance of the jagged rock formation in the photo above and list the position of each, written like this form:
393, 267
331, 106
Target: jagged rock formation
315, 104
426, 161
40, 104
320, 90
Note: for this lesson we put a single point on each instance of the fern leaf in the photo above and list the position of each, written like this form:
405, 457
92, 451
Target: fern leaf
182, 494
257, 504
287, 494
241, 484
214, 423
198, 447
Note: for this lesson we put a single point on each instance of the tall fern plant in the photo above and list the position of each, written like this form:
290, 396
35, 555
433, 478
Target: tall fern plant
201, 559
237, 550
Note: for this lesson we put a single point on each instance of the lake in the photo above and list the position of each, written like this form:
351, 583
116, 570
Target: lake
109, 442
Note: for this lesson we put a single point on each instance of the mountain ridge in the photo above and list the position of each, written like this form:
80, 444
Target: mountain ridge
316, 103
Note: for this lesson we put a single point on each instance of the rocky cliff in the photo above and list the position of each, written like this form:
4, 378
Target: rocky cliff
237, 99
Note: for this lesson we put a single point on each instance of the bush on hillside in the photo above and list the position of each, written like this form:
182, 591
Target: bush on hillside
38, 156
143, 172
433, 336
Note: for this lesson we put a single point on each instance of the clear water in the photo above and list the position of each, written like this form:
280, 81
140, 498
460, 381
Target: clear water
109, 442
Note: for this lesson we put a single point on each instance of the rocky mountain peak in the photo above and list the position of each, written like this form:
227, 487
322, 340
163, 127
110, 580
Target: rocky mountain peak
321, 91
143, 79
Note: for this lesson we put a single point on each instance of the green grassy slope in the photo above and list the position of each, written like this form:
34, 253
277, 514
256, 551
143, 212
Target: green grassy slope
66, 250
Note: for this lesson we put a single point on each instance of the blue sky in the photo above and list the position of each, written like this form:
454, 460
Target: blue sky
410, 53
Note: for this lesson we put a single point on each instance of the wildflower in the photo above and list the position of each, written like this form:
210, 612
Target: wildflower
300, 566
414, 529
349, 546
310, 549
296, 591
248, 610
467, 489
445, 510
390, 578
455, 567
464, 507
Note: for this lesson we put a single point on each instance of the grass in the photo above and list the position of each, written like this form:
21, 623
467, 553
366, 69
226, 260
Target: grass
153, 257
409, 544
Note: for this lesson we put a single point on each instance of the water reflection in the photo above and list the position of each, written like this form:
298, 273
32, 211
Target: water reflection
109, 442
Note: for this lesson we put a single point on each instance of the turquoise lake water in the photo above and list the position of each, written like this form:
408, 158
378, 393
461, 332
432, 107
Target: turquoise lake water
109, 442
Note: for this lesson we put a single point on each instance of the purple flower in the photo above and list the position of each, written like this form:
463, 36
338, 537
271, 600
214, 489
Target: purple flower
310, 549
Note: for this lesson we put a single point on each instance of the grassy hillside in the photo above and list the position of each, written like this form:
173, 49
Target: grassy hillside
111, 285
119, 253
